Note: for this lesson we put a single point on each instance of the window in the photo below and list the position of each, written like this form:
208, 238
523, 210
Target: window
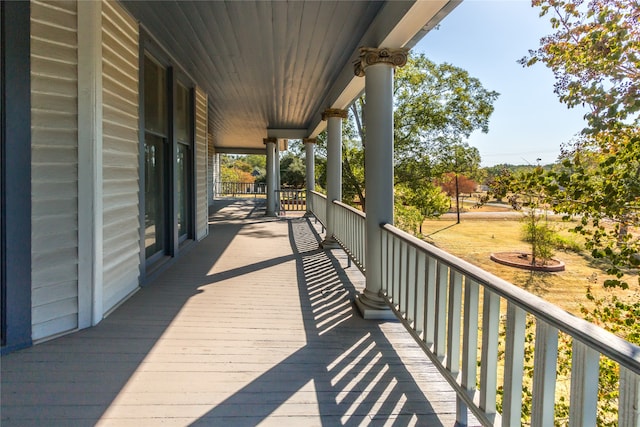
155, 159
168, 159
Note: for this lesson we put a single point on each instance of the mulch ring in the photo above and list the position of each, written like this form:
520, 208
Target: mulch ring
523, 260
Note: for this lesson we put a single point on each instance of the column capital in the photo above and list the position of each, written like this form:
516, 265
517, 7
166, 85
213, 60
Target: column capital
334, 112
395, 57
266, 141
309, 140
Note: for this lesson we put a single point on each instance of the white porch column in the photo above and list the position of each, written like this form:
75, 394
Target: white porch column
271, 175
215, 190
310, 164
278, 182
334, 118
377, 66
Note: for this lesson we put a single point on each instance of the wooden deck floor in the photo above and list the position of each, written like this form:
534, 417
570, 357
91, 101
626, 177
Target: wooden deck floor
254, 326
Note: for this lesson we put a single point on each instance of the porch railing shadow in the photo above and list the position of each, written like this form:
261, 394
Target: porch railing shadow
357, 374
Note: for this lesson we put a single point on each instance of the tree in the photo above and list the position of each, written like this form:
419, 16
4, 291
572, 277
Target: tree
448, 184
457, 159
595, 56
420, 202
232, 174
436, 107
292, 171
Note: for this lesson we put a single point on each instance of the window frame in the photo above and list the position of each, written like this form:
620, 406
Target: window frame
175, 75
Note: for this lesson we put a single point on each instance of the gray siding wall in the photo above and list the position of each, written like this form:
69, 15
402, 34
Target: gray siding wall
121, 256
54, 184
202, 205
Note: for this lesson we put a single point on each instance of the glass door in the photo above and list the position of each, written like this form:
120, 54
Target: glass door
156, 162
184, 135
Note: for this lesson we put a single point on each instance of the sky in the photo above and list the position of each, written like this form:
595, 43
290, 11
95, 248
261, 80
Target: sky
486, 38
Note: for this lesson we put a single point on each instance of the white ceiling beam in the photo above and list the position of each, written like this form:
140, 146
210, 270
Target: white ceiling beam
287, 133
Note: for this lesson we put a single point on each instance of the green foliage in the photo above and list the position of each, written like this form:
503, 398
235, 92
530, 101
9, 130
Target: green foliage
595, 56
618, 315
235, 169
567, 244
407, 218
436, 103
499, 183
601, 187
292, 171
353, 173
422, 200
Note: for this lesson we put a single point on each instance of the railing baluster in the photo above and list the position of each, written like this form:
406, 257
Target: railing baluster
454, 322
421, 265
469, 345
441, 310
489, 357
585, 365
390, 266
629, 398
402, 278
396, 272
513, 365
411, 285
430, 302
384, 237
544, 374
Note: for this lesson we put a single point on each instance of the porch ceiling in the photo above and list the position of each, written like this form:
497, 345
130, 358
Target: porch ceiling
271, 68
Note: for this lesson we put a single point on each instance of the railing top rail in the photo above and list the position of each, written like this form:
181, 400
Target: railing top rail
597, 338
350, 208
318, 194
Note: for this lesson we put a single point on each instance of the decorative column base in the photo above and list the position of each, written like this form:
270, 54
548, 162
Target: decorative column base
373, 308
330, 243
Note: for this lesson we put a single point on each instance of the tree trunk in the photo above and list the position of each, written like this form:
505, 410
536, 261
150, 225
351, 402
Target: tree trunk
457, 201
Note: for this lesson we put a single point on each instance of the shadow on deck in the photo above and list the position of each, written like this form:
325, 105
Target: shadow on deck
255, 325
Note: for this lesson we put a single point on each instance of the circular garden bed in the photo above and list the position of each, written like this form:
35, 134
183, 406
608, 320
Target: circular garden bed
524, 260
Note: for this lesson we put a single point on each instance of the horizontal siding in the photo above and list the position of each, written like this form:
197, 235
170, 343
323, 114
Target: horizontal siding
202, 204
120, 155
54, 169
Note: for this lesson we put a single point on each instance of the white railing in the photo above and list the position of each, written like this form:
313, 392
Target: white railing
225, 188
437, 297
319, 207
349, 232
290, 200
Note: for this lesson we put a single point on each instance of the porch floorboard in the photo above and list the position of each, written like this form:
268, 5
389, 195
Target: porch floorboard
253, 326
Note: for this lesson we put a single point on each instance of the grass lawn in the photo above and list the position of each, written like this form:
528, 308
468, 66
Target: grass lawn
474, 239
